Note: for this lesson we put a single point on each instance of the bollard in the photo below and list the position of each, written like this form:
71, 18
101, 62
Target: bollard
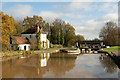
89, 50
83, 50
93, 51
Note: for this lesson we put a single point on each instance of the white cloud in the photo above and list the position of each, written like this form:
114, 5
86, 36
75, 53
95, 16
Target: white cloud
74, 6
91, 28
78, 5
60, 1
52, 15
109, 7
109, 17
20, 10
73, 15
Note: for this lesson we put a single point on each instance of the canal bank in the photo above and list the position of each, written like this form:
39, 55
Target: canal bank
115, 57
47, 51
114, 54
16, 54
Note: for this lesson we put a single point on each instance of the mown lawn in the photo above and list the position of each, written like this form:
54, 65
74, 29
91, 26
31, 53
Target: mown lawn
112, 49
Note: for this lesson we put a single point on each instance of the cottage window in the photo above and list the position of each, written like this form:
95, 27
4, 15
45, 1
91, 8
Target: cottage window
44, 44
30, 36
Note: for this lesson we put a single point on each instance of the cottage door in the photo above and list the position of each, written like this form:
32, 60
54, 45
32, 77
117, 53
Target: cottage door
24, 47
12, 47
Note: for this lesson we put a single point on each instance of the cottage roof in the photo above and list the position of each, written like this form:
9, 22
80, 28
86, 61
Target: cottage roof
32, 30
20, 40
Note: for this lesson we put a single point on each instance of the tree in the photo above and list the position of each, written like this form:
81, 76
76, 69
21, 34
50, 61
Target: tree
57, 34
80, 38
8, 29
32, 21
61, 33
96, 40
70, 37
119, 36
19, 28
109, 33
33, 43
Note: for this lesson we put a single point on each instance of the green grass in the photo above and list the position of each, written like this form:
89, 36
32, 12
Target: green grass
112, 49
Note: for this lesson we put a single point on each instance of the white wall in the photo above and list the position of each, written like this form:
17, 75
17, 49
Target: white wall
21, 46
43, 37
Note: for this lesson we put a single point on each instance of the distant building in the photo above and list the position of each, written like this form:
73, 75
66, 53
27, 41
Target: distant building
91, 44
23, 42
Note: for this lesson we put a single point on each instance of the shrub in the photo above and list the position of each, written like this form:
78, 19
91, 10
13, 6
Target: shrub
51, 45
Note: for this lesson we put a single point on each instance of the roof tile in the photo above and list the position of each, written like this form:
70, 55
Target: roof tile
20, 40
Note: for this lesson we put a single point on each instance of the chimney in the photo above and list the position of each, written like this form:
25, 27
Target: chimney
38, 29
32, 26
41, 28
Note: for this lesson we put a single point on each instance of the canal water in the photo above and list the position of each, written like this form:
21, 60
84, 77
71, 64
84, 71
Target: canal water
60, 65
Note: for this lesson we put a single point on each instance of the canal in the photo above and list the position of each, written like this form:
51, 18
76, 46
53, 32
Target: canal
61, 65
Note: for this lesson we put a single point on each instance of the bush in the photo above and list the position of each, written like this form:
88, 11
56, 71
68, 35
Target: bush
51, 45
4, 48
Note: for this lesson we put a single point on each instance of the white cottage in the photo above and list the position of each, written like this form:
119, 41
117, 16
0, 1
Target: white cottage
27, 36
19, 43
31, 33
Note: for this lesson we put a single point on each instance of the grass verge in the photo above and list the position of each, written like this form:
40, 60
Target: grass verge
112, 49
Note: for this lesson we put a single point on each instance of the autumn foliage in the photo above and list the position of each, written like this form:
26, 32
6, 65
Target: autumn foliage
8, 29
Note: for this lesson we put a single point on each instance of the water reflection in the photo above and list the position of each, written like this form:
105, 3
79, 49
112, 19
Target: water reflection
25, 67
59, 65
38, 65
108, 64
42, 59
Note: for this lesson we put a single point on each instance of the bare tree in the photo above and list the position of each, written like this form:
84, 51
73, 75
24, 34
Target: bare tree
33, 43
118, 35
109, 33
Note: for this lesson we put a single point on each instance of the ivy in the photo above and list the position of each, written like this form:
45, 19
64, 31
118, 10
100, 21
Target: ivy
38, 36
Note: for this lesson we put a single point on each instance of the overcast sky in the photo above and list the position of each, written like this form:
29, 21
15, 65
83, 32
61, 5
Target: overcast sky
86, 17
